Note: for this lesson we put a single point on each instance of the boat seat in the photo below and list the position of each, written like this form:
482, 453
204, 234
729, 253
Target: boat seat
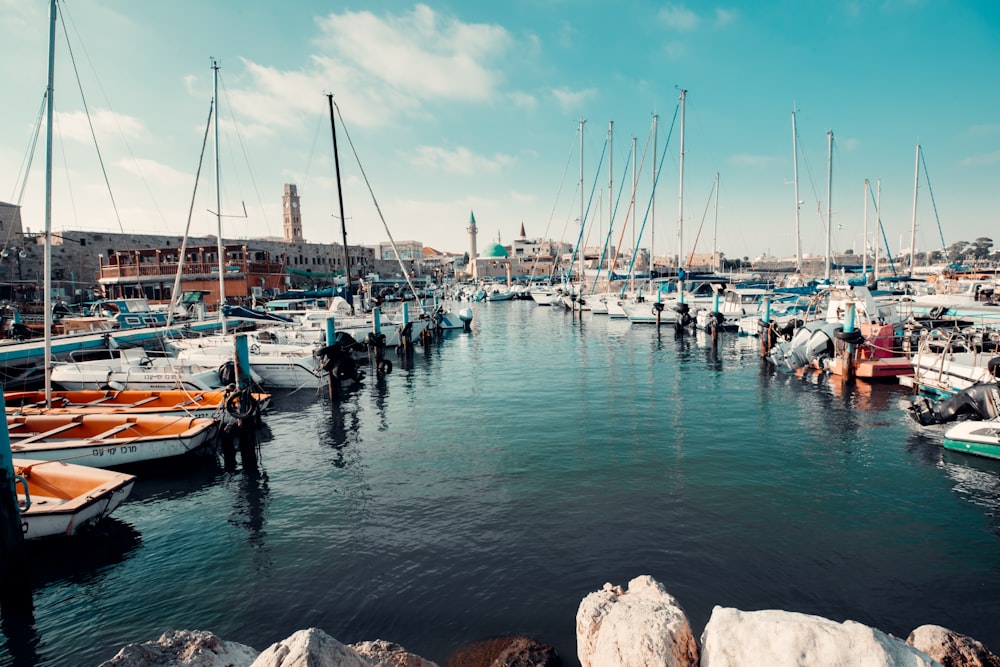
140, 403
100, 400
112, 431
41, 436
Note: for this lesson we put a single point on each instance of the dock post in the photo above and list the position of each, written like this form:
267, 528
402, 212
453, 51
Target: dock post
766, 333
331, 336
13, 577
851, 335
404, 333
716, 321
331, 331
378, 341
658, 308
246, 427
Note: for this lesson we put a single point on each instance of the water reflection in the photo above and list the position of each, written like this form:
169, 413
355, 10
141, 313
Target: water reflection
380, 393
251, 498
343, 429
81, 560
110, 542
170, 479
17, 621
977, 480
924, 445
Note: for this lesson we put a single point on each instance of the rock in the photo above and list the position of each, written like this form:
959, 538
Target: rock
513, 651
642, 626
782, 638
950, 648
310, 648
184, 648
386, 654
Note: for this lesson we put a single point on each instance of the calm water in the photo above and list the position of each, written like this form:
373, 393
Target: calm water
509, 472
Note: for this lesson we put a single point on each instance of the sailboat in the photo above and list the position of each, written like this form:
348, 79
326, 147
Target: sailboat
273, 366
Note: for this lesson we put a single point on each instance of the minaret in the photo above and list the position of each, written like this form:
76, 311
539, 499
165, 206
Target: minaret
472, 244
524, 237
293, 218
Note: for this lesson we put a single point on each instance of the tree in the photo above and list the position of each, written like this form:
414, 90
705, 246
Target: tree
980, 248
956, 251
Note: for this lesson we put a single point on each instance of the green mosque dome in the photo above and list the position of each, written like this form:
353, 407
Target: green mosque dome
494, 250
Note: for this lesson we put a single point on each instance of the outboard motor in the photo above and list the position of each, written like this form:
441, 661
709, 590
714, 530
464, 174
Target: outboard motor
683, 315
978, 402
337, 360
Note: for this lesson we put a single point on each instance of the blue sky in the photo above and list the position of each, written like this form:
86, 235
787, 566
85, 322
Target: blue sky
455, 107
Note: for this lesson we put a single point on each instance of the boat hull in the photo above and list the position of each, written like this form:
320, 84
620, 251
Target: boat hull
981, 438
104, 441
65, 498
201, 404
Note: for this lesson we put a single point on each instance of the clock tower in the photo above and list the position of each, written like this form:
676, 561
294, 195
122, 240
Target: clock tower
292, 215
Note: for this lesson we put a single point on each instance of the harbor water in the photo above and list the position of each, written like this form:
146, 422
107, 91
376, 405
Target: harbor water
490, 483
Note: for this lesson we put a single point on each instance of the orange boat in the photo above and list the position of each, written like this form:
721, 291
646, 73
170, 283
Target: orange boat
58, 499
177, 402
106, 440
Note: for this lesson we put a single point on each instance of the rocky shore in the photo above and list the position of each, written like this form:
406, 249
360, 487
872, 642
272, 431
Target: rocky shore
638, 626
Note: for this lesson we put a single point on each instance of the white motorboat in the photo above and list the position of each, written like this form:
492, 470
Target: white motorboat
134, 369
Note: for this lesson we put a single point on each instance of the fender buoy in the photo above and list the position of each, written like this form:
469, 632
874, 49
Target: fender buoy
853, 336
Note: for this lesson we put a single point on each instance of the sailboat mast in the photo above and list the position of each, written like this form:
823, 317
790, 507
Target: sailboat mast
611, 198
340, 199
47, 268
798, 202
635, 187
218, 200
715, 232
913, 224
680, 189
864, 237
652, 204
829, 202
878, 222
582, 222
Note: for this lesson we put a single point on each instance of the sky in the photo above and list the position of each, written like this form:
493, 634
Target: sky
447, 109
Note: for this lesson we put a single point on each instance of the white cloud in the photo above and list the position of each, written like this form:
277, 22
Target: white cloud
381, 68
523, 197
849, 145
724, 17
984, 160
984, 130
747, 160
572, 100
674, 50
421, 53
460, 161
523, 100
157, 173
74, 125
679, 17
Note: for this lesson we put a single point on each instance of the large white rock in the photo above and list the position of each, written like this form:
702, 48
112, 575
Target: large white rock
184, 648
782, 639
641, 627
310, 648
